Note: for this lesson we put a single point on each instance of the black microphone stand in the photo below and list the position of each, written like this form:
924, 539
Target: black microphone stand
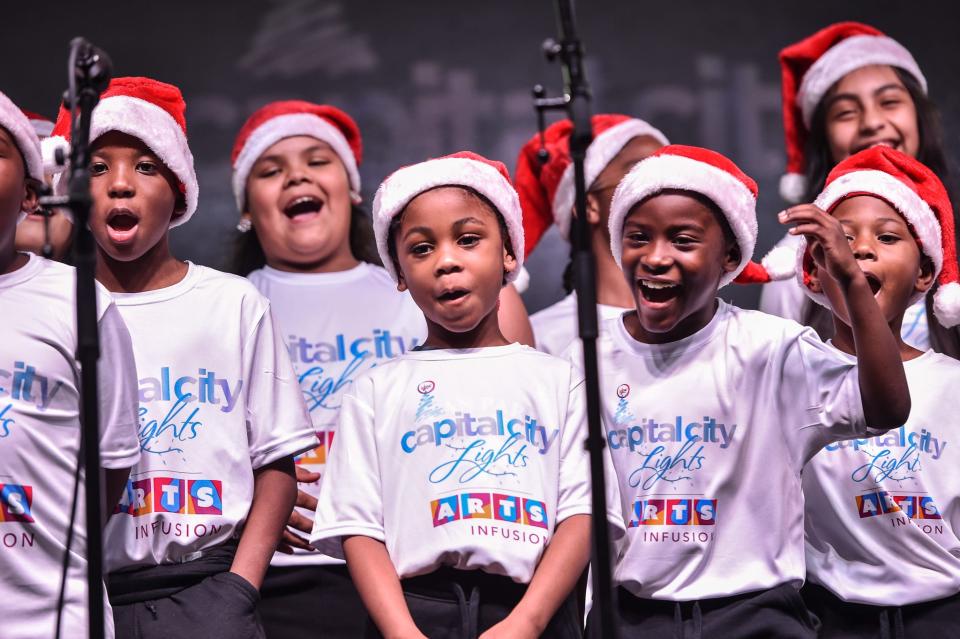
576, 103
89, 70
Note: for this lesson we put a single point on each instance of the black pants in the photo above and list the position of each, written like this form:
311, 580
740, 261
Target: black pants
937, 619
222, 606
778, 613
462, 604
311, 602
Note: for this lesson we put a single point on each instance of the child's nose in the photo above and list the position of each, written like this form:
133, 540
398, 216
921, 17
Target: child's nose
447, 259
863, 248
121, 186
872, 119
656, 257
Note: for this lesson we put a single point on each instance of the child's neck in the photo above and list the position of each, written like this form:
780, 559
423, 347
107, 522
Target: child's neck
612, 288
336, 264
11, 260
843, 339
486, 333
153, 270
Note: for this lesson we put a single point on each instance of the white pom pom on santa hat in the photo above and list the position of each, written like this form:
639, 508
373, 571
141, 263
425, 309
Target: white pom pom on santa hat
919, 196
487, 177
810, 67
153, 112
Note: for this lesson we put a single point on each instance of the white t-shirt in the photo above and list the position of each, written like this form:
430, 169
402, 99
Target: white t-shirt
461, 458
337, 326
708, 435
40, 440
218, 400
883, 513
555, 327
786, 299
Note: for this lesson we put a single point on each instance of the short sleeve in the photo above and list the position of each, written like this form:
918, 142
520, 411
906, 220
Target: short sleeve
574, 495
277, 422
825, 386
117, 388
351, 497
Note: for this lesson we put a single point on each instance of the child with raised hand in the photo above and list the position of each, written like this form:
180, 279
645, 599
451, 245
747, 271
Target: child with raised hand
547, 193
40, 412
221, 415
883, 513
711, 411
846, 88
458, 486
297, 185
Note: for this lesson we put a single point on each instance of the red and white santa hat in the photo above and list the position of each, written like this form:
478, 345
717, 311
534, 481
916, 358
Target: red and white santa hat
810, 67
919, 196
289, 118
18, 126
547, 190
487, 177
42, 125
151, 111
690, 168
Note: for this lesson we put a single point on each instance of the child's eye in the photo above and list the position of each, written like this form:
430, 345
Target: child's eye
849, 238
97, 168
889, 238
268, 172
468, 240
145, 166
684, 240
319, 162
636, 237
421, 248
890, 103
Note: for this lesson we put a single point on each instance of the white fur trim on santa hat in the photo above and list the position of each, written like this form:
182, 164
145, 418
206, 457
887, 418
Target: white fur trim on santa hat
898, 195
661, 172
409, 182
792, 187
288, 126
849, 55
599, 154
159, 131
946, 304
17, 124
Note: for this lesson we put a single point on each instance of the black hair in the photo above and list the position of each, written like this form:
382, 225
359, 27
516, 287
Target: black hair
931, 152
470, 192
248, 253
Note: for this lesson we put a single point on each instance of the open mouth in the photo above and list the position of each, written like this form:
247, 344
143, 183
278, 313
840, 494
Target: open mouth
658, 292
874, 282
453, 295
122, 221
305, 205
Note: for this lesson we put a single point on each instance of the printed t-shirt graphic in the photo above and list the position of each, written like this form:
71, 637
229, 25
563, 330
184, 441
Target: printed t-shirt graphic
336, 327
708, 435
40, 438
462, 458
882, 513
218, 399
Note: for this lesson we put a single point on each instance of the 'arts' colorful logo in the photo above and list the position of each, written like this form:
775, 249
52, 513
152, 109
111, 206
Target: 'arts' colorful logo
317, 456
172, 495
499, 506
674, 512
883, 503
16, 503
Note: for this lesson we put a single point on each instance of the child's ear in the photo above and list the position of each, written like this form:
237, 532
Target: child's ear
813, 279
925, 277
509, 262
731, 259
401, 282
31, 196
593, 208
179, 207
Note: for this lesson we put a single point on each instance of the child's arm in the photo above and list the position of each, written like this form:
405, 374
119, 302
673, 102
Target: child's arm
883, 383
274, 491
563, 562
379, 586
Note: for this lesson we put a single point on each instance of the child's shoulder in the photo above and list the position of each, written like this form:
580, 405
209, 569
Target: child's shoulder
762, 326
221, 284
936, 367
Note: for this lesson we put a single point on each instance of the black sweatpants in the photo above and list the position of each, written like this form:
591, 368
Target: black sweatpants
311, 602
462, 604
938, 619
778, 613
222, 606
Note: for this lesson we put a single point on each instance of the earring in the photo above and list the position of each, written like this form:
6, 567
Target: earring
244, 225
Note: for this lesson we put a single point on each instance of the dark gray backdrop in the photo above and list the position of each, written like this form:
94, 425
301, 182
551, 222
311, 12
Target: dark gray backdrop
428, 78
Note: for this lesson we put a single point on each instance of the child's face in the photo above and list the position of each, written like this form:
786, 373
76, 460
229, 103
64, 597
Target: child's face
298, 196
17, 192
869, 107
31, 234
674, 254
134, 196
887, 254
452, 257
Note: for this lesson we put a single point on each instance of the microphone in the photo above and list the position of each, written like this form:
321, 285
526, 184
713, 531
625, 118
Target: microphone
93, 67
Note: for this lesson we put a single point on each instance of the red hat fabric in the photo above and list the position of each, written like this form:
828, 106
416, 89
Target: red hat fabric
42, 125
699, 170
810, 67
547, 190
488, 177
289, 118
919, 196
154, 112
18, 126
